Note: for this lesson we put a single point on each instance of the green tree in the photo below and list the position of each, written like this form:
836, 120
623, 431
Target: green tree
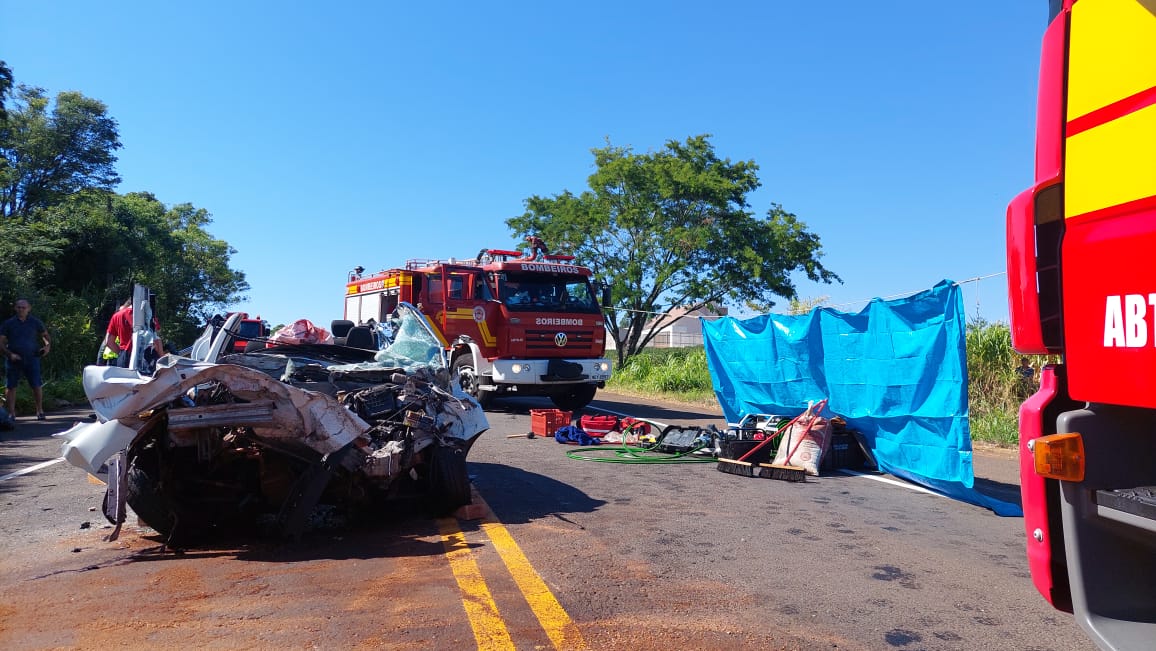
194, 278
5, 88
801, 306
673, 229
52, 150
106, 243
75, 248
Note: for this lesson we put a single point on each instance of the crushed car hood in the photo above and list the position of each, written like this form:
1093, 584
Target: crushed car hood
118, 395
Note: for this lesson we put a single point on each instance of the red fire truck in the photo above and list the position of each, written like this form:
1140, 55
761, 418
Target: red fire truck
250, 333
1082, 286
514, 323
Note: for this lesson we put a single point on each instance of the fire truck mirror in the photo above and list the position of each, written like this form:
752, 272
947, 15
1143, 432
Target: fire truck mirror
607, 299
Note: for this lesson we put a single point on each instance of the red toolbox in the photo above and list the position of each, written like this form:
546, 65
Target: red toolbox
639, 427
543, 422
598, 425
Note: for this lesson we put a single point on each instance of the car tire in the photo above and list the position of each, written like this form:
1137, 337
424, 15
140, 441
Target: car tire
449, 480
144, 497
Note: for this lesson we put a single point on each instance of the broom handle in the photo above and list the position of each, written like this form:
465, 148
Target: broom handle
810, 424
770, 438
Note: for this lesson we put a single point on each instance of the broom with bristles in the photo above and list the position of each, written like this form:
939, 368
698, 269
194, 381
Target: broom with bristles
785, 471
741, 466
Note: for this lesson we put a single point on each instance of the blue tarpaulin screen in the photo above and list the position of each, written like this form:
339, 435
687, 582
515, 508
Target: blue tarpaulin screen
896, 371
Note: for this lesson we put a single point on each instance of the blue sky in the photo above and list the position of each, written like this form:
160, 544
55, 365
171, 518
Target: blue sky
323, 136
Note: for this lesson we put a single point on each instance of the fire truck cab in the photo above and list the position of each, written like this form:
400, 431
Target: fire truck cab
251, 332
513, 324
1082, 287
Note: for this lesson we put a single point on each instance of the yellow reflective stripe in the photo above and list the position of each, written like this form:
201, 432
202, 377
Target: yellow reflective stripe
464, 314
1111, 53
487, 337
1112, 163
391, 282
437, 331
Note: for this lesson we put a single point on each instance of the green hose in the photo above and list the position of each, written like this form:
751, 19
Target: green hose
629, 454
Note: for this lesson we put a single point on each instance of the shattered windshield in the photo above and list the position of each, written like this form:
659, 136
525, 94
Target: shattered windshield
414, 345
538, 293
413, 341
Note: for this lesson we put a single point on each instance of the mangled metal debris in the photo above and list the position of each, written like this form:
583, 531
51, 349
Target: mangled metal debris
269, 434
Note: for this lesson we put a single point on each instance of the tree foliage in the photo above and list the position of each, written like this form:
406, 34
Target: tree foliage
6, 81
75, 248
673, 229
52, 150
105, 243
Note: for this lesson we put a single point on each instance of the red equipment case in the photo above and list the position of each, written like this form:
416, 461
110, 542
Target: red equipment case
598, 425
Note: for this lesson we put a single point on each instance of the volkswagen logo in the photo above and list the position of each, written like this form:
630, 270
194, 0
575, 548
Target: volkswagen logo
560, 340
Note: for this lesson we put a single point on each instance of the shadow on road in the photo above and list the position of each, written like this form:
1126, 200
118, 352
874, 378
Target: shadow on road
408, 535
518, 496
999, 490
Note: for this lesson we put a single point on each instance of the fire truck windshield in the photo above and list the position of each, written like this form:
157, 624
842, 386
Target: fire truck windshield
537, 293
250, 330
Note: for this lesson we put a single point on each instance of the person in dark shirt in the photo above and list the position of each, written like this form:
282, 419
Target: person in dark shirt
23, 341
1026, 373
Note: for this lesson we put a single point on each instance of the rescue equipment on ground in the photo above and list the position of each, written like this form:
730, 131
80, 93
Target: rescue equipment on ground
544, 422
805, 440
572, 434
797, 429
676, 444
598, 424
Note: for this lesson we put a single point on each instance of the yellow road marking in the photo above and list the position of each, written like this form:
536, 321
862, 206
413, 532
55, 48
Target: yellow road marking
93, 479
489, 629
554, 619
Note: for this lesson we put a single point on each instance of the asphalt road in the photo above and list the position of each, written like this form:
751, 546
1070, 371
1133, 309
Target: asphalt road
572, 554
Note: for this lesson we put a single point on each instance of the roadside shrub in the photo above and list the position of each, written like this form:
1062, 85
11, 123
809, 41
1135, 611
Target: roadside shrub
56, 392
673, 373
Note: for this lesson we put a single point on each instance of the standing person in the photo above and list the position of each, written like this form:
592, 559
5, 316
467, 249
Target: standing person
19, 344
1027, 375
1026, 371
118, 336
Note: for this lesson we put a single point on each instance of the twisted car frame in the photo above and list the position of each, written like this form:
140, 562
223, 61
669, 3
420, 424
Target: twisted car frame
223, 442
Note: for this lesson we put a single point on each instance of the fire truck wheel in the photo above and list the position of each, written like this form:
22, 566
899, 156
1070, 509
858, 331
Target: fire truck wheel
574, 398
468, 377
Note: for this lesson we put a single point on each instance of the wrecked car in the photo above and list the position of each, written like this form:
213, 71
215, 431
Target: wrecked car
217, 442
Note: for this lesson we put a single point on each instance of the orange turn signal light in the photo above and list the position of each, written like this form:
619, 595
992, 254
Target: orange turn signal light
1059, 456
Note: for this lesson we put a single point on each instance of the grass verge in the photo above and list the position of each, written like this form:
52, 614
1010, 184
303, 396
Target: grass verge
57, 391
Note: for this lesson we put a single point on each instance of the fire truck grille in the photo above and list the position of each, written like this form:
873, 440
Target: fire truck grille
546, 341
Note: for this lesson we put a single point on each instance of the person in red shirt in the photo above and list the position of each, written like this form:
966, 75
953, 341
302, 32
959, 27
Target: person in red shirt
118, 337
